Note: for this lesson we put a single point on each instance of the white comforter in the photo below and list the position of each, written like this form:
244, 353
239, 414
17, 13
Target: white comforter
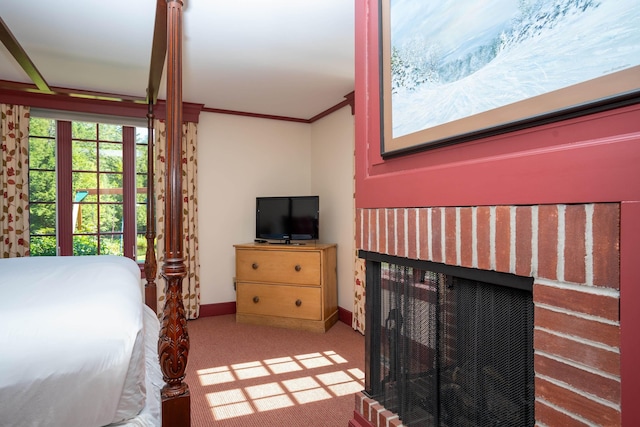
71, 341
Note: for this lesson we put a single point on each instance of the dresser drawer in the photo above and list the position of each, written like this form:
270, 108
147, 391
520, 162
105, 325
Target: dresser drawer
300, 268
276, 300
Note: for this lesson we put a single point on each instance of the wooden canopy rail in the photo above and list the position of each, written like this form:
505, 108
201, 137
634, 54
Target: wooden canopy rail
173, 343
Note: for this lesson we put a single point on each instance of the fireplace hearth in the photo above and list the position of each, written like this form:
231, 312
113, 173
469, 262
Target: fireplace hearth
449, 346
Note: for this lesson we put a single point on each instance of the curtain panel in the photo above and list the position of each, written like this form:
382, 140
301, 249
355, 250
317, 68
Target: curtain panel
14, 180
359, 295
191, 283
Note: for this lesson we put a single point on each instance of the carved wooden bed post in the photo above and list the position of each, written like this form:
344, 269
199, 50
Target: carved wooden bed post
150, 263
173, 346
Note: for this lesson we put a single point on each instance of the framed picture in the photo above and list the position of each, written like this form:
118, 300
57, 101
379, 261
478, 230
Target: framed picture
454, 71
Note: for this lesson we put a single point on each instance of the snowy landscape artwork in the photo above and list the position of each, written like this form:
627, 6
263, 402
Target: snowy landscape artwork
445, 61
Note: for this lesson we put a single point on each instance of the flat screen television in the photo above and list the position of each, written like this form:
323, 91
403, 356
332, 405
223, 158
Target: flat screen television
287, 218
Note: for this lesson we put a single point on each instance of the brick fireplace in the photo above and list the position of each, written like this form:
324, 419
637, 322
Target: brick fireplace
571, 251
556, 200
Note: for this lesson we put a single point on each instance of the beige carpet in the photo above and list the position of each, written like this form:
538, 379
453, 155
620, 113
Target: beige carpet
243, 375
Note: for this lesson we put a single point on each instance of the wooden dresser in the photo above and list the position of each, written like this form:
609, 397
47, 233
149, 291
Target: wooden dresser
291, 286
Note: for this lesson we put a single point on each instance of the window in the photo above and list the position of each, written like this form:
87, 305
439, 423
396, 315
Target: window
87, 188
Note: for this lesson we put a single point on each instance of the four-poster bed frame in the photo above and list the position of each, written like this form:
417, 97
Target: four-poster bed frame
173, 340
173, 343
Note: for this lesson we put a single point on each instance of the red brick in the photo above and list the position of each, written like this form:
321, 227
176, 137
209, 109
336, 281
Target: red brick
606, 245
395, 423
391, 232
483, 228
592, 330
451, 254
588, 355
373, 226
466, 238
574, 243
359, 229
359, 397
605, 388
550, 417
366, 229
400, 232
412, 234
503, 238
384, 416
548, 242
577, 404
523, 241
436, 235
375, 412
424, 233
580, 302
366, 405
382, 230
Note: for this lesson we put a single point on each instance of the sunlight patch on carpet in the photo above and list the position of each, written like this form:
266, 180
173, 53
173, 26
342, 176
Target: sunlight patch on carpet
314, 360
270, 396
274, 402
250, 370
313, 395
214, 376
306, 390
279, 393
357, 373
229, 404
264, 390
335, 357
282, 365
340, 383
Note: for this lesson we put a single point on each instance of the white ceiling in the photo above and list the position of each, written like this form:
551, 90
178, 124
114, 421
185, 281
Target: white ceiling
292, 58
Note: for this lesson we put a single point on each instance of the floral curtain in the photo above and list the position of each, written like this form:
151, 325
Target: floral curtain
359, 297
191, 283
14, 180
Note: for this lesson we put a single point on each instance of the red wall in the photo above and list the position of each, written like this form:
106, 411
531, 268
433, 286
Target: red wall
589, 159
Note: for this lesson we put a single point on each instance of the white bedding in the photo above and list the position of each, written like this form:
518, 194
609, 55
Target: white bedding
73, 343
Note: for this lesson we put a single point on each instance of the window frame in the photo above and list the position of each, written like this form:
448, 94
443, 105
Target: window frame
64, 187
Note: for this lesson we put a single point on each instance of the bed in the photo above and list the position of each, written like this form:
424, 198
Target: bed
79, 346
48, 376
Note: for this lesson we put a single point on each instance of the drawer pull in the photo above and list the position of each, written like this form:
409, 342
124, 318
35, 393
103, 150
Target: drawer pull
254, 265
298, 303
256, 300
298, 268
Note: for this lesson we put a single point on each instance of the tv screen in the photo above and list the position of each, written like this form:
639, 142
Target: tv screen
287, 218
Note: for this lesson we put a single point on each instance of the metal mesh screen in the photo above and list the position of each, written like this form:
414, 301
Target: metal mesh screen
487, 358
452, 351
408, 339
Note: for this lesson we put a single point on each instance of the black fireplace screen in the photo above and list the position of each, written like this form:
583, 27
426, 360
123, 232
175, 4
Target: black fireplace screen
448, 350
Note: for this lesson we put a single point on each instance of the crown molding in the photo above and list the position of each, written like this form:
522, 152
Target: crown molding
89, 102
127, 105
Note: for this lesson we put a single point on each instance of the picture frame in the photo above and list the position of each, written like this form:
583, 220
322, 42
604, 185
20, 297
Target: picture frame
454, 72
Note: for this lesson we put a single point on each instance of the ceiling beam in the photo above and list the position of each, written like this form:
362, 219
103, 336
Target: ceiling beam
158, 51
12, 45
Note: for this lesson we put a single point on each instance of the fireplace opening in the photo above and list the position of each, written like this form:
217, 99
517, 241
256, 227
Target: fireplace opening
449, 346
